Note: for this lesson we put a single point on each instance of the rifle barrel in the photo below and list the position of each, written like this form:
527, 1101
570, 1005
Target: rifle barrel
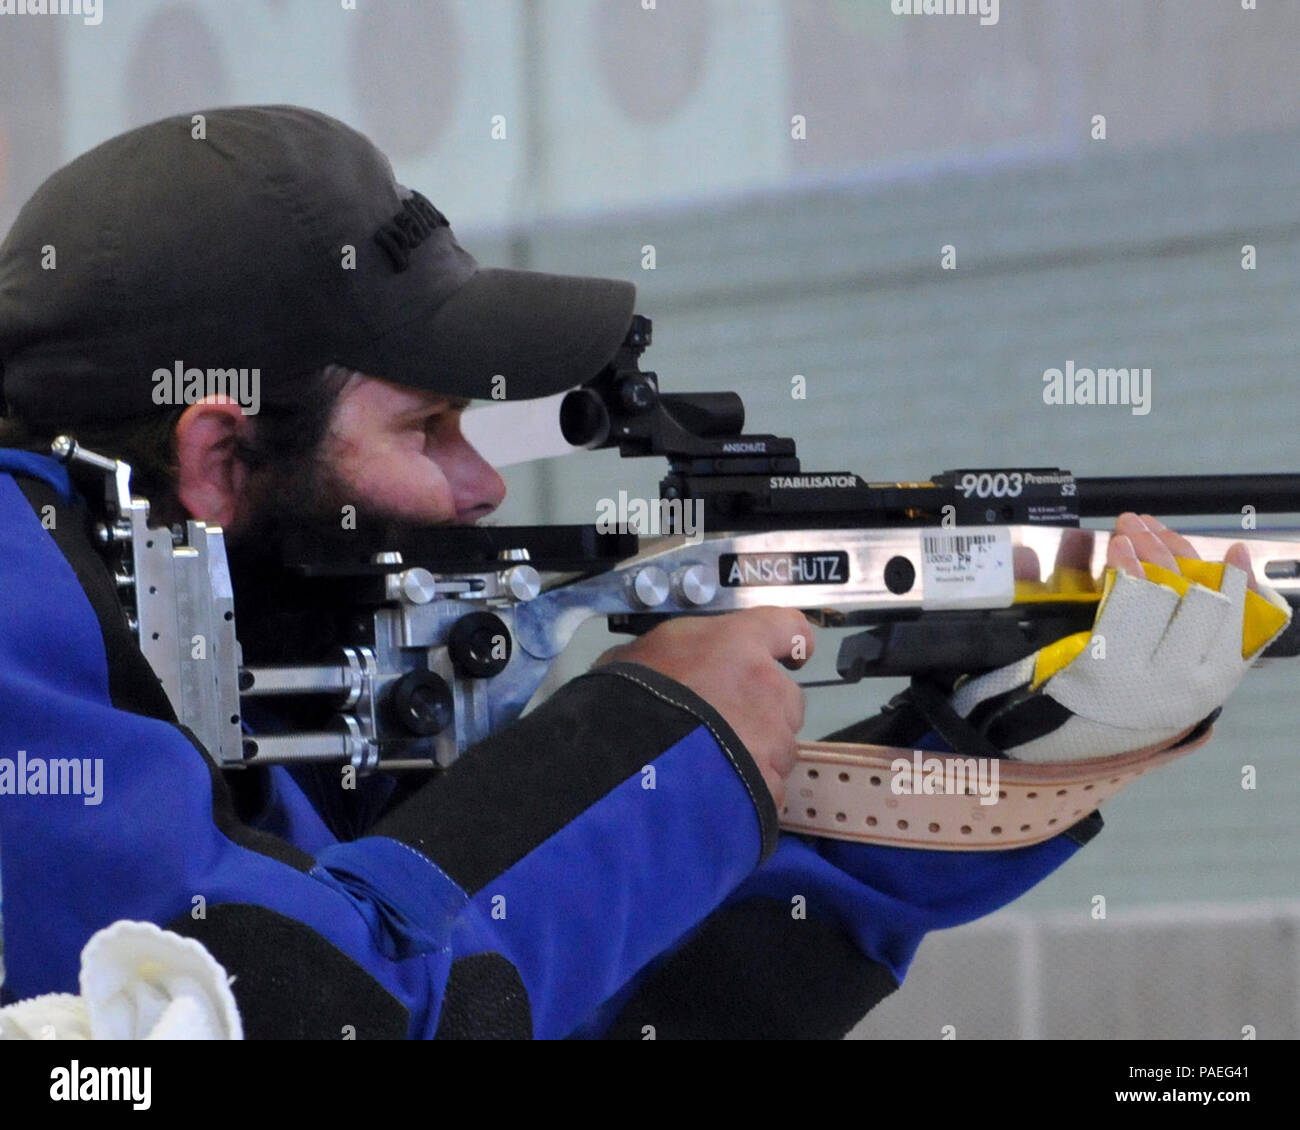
1189, 494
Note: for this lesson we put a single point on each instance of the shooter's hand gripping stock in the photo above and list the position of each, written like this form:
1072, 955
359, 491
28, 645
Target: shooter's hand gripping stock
455, 630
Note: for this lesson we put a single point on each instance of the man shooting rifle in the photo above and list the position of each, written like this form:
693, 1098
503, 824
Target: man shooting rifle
535, 888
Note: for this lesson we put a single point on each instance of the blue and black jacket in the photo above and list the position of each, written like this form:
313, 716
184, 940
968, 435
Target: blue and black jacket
537, 888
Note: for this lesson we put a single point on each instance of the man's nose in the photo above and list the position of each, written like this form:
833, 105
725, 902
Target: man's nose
477, 487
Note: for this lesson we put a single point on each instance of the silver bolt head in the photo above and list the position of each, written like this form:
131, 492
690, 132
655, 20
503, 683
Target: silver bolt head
523, 582
651, 586
695, 584
417, 586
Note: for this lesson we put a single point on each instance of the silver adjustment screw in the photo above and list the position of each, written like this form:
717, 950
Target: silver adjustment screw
695, 584
651, 586
513, 555
389, 557
523, 582
416, 586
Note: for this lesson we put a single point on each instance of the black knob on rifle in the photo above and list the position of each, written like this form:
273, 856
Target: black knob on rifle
636, 393
421, 703
480, 645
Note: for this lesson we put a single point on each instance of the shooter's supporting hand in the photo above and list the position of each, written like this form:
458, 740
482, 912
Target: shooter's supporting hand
1173, 637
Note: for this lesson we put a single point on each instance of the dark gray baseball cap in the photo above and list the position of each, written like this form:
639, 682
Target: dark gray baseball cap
279, 240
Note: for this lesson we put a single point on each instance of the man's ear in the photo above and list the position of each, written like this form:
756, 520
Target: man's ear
211, 478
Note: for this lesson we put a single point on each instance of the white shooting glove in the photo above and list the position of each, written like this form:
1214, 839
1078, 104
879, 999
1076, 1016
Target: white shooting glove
1163, 654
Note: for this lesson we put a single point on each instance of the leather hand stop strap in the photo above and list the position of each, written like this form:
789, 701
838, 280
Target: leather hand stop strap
950, 802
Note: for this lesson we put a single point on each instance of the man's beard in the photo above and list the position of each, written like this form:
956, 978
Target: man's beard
301, 518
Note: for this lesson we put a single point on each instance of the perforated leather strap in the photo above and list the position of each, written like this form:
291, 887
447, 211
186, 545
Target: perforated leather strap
851, 791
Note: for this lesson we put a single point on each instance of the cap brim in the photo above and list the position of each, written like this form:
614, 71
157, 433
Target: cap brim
543, 333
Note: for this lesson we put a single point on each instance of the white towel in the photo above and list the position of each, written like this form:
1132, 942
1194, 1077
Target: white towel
137, 983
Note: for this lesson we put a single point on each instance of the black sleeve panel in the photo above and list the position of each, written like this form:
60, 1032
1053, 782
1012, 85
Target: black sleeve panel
485, 1000
297, 986
518, 788
754, 972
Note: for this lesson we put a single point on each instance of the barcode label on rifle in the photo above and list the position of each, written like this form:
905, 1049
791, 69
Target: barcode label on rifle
957, 543
967, 570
